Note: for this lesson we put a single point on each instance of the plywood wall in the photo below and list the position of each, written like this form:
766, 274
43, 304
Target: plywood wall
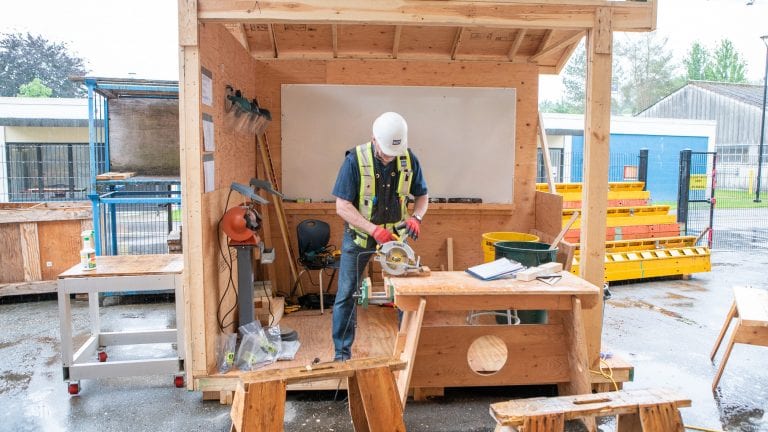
465, 226
234, 160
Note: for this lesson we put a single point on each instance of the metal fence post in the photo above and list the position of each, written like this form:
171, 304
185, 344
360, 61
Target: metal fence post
642, 169
683, 189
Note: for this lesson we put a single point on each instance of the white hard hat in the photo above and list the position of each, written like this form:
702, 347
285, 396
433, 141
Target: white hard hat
391, 132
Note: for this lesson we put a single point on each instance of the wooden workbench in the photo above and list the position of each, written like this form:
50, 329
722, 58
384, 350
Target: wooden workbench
435, 339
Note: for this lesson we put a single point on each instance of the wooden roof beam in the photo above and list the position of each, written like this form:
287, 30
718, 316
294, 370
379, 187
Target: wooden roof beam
396, 42
335, 40
456, 42
272, 40
557, 46
553, 14
516, 44
242, 37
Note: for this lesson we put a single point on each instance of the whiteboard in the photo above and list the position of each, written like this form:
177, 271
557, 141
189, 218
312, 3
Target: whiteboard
463, 137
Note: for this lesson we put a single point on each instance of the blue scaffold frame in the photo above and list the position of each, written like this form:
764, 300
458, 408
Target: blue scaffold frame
100, 91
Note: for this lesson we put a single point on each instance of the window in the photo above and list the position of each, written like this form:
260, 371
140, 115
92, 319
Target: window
630, 172
47, 172
733, 154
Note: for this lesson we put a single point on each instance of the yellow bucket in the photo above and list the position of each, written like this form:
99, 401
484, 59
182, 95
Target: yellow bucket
490, 239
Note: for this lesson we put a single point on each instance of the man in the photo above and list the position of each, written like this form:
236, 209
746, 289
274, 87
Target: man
372, 191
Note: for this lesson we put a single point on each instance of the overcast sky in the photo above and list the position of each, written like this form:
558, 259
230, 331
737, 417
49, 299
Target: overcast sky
140, 36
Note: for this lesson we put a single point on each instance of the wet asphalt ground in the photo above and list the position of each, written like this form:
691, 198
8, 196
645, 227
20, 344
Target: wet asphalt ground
665, 328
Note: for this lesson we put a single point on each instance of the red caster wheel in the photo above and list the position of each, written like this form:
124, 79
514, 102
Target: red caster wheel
178, 381
73, 388
102, 356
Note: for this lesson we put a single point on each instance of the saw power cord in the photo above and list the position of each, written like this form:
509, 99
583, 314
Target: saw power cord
230, 282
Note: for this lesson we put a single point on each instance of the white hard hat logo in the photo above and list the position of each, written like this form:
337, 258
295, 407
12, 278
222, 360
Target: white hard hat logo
391, 132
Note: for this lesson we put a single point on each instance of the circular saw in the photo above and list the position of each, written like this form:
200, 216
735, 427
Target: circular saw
397, 258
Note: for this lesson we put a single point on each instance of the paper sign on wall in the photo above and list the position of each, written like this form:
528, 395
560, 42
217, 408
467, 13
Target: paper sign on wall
209, 173
206, 82
208, 138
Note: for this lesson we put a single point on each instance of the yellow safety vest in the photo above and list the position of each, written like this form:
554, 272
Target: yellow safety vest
367, 193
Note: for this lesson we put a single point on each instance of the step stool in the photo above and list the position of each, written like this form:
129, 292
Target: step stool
374, 403
750, 306
637, 410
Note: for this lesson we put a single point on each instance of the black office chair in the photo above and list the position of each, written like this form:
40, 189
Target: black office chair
314, 251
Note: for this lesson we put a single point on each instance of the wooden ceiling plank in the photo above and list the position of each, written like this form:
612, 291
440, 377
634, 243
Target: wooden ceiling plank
456, 42
396, 42
573, 39
554, 14
335, 35
544, 41
242, 36
516, 44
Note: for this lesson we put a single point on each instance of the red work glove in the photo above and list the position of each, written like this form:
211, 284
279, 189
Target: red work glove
413, 227
383, 235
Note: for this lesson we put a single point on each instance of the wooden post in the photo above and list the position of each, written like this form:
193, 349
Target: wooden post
191, 188
545, 155
596, 157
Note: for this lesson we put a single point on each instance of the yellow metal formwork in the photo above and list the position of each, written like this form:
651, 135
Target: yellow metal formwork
616, 191
648, 258
629, 216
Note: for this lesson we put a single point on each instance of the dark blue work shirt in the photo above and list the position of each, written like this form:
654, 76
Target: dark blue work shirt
347, 185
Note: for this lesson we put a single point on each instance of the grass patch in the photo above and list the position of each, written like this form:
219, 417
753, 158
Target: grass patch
734, 198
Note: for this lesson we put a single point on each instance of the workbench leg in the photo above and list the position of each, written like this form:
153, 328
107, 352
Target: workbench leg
661, 417
93, 310
576, 344
179, 297
374, 402
65, 324
726, 355
629, 423
410, 330
731, 314
259, 407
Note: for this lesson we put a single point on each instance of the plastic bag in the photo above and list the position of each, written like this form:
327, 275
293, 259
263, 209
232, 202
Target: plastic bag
288, 350
273, 336
225, 351
256, 348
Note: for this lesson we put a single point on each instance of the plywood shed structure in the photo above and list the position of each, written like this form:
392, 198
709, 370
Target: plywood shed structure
258, 47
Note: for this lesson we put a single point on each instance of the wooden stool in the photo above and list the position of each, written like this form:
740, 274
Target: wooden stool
638, 410
374, 403
750, 306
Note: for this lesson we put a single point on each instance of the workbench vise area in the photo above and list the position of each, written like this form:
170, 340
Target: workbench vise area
397, 259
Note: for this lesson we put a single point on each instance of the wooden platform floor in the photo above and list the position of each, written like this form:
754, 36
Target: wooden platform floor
375, 336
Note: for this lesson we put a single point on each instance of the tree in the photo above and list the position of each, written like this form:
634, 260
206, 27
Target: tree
35, 88
696, 62
650, 72
726, 64
26, 57
574, 75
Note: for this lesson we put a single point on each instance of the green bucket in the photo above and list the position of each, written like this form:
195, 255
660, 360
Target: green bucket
529, 254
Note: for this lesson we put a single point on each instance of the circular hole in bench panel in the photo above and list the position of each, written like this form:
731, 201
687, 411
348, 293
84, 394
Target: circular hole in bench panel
487, 355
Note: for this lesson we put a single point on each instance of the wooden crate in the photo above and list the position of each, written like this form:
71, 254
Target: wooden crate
40, 240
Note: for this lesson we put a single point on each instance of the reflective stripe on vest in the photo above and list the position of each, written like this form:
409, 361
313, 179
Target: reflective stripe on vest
367, 192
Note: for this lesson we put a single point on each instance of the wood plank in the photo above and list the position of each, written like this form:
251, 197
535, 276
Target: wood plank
752, 306
44, 215
322, 371
12, 269
60, 246
576, 341
411, 327
380, 400
547, 207
129, 265
263, 407
545, 154
594, 197
558, 46
30, 252
567, 14
356, 406
25, 288
516, 44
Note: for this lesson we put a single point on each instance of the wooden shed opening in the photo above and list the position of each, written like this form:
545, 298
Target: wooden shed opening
279, 52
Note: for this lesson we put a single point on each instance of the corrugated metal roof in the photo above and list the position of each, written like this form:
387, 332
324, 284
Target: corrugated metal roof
751, 94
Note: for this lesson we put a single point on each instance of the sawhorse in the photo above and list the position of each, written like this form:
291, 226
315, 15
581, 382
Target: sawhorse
374, 403
637, 410
750, 306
